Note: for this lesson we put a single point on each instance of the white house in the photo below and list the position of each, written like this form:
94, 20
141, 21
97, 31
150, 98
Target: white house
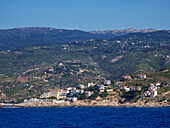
74, 91
158, 84
126, 89
81, 86
141, 76
101, 87
90, 84
153, 93
88, 93
107, 82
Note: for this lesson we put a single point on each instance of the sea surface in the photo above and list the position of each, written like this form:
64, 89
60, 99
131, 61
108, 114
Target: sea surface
84, 117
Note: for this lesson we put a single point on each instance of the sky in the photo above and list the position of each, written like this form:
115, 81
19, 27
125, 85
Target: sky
85, 15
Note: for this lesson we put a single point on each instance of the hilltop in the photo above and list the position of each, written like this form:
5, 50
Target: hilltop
21, 37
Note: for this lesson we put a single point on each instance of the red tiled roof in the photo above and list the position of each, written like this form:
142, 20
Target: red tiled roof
121, 85
126, 76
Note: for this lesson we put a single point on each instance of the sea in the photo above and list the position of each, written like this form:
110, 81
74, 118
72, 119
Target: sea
85, 117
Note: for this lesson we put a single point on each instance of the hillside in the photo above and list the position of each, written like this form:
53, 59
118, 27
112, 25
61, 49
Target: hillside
21, 37
34, 69
111, 33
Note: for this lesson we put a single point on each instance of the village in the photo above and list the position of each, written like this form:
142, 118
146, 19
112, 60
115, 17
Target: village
92, 91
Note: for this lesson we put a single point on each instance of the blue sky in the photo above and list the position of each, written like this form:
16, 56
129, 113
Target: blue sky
85, 14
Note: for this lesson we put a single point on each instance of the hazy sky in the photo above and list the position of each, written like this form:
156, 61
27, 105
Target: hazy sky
85, 14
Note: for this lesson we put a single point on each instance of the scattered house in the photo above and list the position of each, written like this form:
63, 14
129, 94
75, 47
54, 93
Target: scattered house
64, 93
126, 89
25, 100
90, 84
80, 91
70, 88
132, 88
101, 87
138, 89
73, 99
121, 86
158, 84
81, 70
153, 93
51, 70
152, 88
126, 77
80, 86
109, 90
88, 93
107, 82
141, 76
74, 91
60, 64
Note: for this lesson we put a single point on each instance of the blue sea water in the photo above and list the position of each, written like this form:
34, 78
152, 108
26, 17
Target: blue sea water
83, 117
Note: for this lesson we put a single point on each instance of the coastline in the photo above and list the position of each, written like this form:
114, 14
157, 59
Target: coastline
103, 103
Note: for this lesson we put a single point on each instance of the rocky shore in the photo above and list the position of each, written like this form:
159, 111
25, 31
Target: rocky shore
93, 103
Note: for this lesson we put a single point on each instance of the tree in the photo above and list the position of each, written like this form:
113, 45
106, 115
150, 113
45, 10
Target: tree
52, 97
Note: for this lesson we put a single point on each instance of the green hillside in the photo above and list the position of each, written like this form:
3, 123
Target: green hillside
22, 71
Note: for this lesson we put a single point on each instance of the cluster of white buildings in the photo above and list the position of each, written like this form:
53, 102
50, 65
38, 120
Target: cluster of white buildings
127, 89
127, 77
152, 90
71, 91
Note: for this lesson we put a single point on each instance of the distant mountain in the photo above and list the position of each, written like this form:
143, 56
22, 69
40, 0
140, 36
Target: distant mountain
21, 37
113, 33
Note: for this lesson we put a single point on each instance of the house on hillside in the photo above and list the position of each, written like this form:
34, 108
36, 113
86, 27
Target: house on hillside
126, 89
157, 84
152, 88
141, 76
90, 84
74, 91
101, 87
138, 89
107, 82
132, 88
88, 93
126, 77
153, 93
121, 86
80, 86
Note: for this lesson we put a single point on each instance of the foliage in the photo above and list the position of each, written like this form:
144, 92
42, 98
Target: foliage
52, 97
